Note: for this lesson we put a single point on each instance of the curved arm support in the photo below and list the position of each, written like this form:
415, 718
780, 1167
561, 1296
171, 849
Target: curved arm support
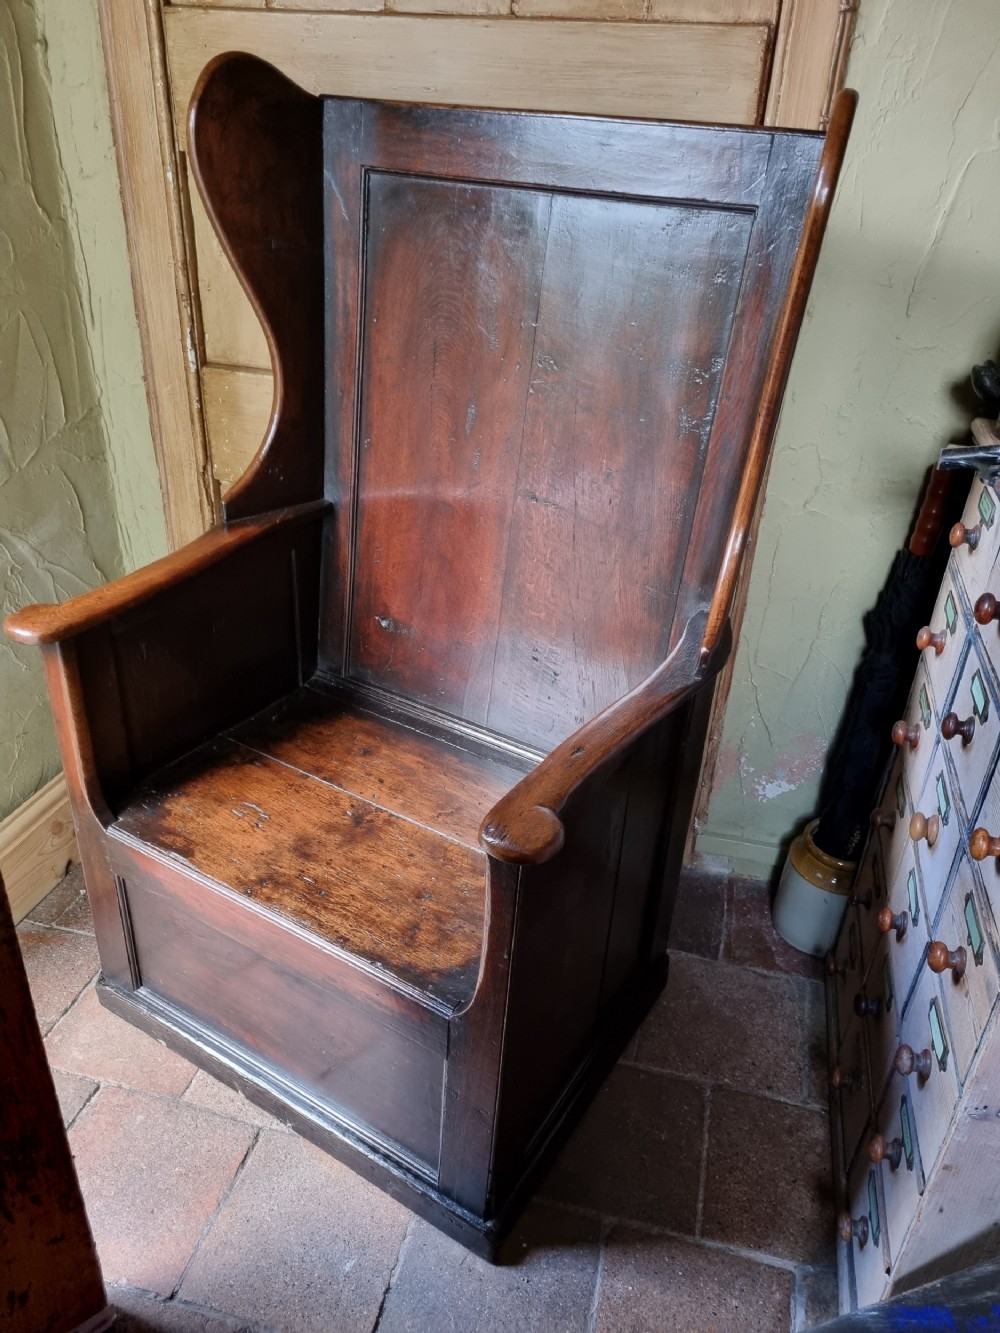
524, 826
256, 147
48, 622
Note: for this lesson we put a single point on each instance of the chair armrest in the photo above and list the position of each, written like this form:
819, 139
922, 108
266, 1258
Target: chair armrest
53, 622
524, 826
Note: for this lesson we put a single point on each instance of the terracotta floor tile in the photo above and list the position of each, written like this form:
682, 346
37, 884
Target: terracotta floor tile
817, 1072
67, 905
98, 1044
699, 914
73, 1092
650, 1284
768, 1184
140, 1312
545, 1284
65, 894
301, 1244
752, 941
152, 1170
208, 1092
637, 1152
728, 1025
59, 964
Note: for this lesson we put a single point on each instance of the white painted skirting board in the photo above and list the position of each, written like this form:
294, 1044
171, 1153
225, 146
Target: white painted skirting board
37, 844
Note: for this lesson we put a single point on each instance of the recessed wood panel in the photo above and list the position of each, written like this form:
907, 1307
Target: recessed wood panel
697, 71
532, 430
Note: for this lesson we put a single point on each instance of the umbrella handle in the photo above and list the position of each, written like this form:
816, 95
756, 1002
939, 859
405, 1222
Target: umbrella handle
929, 522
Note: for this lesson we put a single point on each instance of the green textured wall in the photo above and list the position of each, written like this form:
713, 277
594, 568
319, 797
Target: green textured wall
906, 299
76, 458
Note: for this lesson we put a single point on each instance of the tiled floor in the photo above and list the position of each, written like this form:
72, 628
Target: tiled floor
694, 1196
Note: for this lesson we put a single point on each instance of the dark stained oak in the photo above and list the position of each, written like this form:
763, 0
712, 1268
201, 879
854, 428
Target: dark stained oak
380, 886
49, 1275
382, 787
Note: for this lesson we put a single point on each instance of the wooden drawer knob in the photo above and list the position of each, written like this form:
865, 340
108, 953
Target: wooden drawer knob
942, 959
853, 1228
881, 1151
883, 819
960, 535
905, 735
897, 921
907, 1061
832, 968
952, 727
840, 1079
860, 899
928, 638
922, 827
867, 1006
985, 609
983, 844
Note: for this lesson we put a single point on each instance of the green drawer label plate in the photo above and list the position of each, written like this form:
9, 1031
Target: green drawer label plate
907, 1131
975, 934
951, 613
873, 1208
980, 699
913, 896
938, 1040
987, 507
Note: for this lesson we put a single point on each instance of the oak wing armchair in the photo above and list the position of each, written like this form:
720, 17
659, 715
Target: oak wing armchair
382, 785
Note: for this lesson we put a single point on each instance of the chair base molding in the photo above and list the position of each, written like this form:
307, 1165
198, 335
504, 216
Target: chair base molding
37, 846
236, 1068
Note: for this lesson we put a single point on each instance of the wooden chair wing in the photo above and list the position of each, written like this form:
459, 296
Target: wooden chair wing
382, 786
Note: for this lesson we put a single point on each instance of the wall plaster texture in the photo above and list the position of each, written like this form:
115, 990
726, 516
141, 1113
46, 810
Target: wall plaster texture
76, 461
906, 300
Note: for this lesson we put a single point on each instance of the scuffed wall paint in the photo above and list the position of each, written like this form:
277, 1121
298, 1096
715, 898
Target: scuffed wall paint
71, 34
58, 530
906, 299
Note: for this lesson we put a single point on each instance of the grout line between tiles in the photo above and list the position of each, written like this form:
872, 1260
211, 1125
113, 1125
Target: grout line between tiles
392, 1276
84, 1104
798, 1310
709, 1083
595, 1300
703, 1242
178, 1303
703, 1173
223, 1200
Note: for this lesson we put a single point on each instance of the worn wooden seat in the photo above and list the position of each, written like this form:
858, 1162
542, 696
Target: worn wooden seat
283, 808
382, 785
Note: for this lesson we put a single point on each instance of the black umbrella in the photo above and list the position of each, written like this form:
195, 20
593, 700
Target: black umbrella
883, 677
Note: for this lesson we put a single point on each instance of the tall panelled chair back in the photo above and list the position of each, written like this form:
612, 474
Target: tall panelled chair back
382, 785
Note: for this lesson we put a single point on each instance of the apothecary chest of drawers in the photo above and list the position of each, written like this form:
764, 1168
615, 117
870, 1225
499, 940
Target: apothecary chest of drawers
913, 980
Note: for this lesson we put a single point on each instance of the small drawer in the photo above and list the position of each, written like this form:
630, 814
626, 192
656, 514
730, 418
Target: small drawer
973, 559
943, 647
932, 1084
897, 1147
869, 894
878, 1004
847, 966
916, 733
987, 818
969, 979
906, 926
940, 833
974, 710
891, 818
851, 1084
989, 633
865, 1230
